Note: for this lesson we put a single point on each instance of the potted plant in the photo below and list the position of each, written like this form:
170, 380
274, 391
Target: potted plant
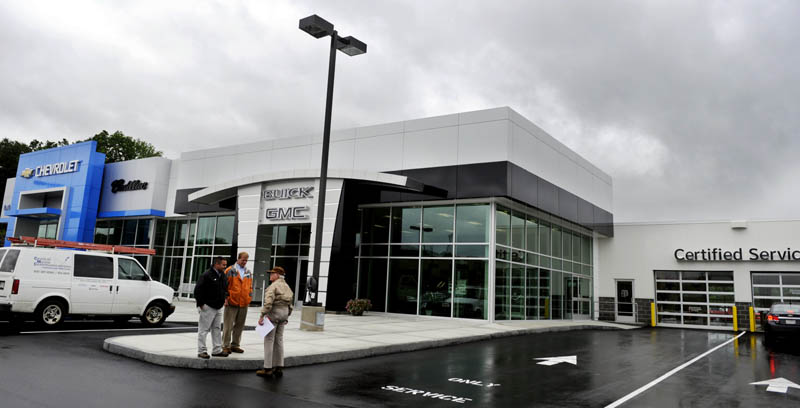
356, 307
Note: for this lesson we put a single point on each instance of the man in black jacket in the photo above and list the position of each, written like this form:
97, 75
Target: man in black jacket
210, 293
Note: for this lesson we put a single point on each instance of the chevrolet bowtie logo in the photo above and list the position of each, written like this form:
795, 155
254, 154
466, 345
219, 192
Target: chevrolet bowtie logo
27, 173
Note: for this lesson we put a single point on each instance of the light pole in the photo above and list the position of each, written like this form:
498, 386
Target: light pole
318, 27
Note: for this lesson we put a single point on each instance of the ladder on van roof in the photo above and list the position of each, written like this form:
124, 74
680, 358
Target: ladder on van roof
57, 243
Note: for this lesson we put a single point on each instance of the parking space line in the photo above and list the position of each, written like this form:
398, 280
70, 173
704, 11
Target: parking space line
667, 375
107, 330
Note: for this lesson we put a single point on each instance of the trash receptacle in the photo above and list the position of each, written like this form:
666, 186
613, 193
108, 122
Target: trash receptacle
312, 318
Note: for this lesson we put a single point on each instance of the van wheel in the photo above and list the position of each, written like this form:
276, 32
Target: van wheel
51, 313
154, 315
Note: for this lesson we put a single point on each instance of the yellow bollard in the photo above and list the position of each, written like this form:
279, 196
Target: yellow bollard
752, 320
735, 320
653, 314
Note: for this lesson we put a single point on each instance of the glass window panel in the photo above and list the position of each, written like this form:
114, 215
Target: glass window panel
531, 234
472, 223
437, 224
403, 286
200, 264
517, 292
531, 259
544, 261
720, 321
691, 275
720, 276
669, 308
192, 232
181, 233
566, 245
556, 264
503, 253
693, 287
764, 303
531, 293
171, 233
161, 232
790, 279
502, 291
10, 261
669, 275
694, 297
720, 287
224, 251
437, 250
576, 248
668, 286
721, 310
203, 250
406, 224
224, 233
374, 250
544, 238
143, 232
89, 266
762, 291
128, 269
404, 250
586, 247
435, 286
114, 232
293, 234
669, 319
502, 226
668, 297
518, 230
155, 268
305, 234
695, 309
472, 251
470, 288
128, 232
372, 283
720, 298
695, 320
101, 233
556, 295
544, 294
556, 249
376, 225
791, 292
205, 230
518, 255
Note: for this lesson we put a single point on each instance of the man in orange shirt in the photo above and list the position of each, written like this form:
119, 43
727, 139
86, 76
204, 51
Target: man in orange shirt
240, 292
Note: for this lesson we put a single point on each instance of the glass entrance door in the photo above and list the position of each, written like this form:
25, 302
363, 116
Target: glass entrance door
625, 301
570, 288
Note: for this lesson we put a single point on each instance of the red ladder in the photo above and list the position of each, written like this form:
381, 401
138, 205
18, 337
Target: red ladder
56, 243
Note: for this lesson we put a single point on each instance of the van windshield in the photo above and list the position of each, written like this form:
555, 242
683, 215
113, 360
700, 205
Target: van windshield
10, 261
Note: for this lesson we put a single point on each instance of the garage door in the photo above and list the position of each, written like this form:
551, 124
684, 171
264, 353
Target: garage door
770, 287
702, 299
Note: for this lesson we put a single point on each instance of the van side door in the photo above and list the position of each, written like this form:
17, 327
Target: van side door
92, 284
132, 288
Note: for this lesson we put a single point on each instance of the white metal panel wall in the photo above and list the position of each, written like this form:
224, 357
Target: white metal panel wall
154, 171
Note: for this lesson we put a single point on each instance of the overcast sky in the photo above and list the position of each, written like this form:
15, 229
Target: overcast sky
691, 107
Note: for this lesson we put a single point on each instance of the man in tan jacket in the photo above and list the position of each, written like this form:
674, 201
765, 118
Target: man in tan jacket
240, 293
278, 305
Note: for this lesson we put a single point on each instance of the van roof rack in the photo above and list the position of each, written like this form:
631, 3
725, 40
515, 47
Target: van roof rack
57, 243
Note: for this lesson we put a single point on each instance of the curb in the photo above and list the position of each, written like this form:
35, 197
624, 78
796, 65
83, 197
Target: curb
111, 346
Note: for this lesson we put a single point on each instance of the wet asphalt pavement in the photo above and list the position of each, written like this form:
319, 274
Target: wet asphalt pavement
72, 370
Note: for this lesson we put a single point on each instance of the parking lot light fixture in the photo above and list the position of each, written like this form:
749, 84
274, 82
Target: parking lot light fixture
318, 27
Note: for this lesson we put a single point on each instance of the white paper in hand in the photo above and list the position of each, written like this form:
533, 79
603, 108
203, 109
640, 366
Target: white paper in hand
264, 329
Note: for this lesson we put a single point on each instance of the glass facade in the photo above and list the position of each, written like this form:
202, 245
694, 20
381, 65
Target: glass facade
439, 260
184, 247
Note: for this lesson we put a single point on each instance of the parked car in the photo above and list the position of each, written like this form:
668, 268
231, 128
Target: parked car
49, 284
782, 320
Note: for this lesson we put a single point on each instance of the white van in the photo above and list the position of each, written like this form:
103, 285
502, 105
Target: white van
51, 283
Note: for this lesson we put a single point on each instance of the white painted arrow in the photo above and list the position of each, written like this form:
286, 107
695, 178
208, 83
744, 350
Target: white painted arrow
777, 385
548, 361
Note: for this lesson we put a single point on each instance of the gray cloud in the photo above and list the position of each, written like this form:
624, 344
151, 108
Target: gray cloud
688, 105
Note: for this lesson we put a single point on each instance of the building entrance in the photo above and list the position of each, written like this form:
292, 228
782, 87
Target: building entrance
285, 246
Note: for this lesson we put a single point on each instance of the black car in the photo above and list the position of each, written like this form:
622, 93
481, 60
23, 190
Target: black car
782, 320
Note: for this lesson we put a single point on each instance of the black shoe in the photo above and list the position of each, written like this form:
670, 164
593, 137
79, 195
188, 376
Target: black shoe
204, 355
278, 371
220, 354
266, 373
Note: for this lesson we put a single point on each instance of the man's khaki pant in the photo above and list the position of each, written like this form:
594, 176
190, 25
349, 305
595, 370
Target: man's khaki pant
233, 324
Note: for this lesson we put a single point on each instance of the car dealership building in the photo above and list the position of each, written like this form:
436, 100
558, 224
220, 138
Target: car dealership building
478, 215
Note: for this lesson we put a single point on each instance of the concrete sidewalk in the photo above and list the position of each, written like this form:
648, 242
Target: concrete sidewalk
345, 337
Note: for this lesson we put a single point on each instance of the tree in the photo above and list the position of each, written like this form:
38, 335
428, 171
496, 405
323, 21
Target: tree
119, 147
